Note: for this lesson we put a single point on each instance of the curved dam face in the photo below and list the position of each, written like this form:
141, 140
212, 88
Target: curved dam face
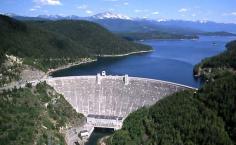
112, 95
107, 100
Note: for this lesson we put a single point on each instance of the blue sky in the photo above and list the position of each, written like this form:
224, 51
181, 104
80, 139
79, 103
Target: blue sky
214, 10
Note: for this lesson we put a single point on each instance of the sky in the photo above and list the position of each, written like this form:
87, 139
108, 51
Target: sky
213, 10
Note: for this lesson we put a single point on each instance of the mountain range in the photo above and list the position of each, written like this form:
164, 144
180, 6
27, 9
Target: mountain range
121, 23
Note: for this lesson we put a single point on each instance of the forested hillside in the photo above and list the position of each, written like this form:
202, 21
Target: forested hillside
58, 42
96, 39
220, 96
206, 116
211, 67
176, 120
35, 115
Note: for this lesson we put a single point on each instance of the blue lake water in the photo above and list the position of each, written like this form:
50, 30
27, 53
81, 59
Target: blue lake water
171, 60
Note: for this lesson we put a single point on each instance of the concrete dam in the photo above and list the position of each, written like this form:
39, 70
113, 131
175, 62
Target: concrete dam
107, 100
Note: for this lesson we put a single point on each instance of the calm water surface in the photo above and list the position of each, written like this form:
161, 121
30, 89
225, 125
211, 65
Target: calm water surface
171, 60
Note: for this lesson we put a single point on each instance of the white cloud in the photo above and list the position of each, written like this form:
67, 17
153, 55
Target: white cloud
37, 7
126, 3
140, 11
182, 10
155, 13
111, 0
82, 7
32, 9
111, 9
45, 11
48, 2
233, 13
229, 14
85, 8
193, 15
88, 12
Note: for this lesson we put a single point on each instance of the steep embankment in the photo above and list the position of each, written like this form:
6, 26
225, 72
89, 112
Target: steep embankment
35, 115
207, 116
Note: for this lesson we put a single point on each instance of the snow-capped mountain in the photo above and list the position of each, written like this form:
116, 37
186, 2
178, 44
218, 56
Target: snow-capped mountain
8, 14
61, 17
51, 16
161, 20
121, 23
110, 15
105, 15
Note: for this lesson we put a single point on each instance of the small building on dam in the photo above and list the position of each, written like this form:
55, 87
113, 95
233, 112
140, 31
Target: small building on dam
107, 100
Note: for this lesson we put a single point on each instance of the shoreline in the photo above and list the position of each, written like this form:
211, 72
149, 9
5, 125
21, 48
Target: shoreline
69, 66
165, 39
93, 60
125, 54
85, 61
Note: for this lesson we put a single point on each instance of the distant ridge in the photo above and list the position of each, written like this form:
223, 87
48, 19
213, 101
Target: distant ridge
121, 23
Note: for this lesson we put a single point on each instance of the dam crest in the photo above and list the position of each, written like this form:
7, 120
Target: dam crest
107, 100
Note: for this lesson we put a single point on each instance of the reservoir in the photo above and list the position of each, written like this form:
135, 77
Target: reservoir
171, 60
